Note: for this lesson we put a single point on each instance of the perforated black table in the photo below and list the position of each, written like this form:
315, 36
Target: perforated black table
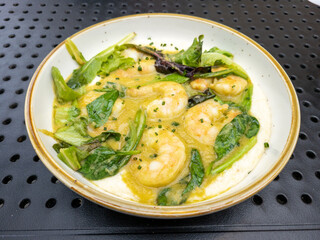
34, 205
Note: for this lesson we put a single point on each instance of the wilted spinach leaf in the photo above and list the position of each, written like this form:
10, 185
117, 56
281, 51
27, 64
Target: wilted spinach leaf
191, 57
174, 77
100, 164
104, 136
196, 172
233, 158
230, 135
116, 61
100, 109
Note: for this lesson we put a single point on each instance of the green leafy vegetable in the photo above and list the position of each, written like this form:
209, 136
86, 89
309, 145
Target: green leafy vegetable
162, 199
179, 193
101, 165
74, 52
88, 71
247, 99
191, 57
116, 61
112, 85
63, 92
104, 136
76, 134
214, 58
69, 157
233, 158
100, 109
213, 74
196, 171
199, 98
217, 50
175, 77
59, 145
65, 115
230, 135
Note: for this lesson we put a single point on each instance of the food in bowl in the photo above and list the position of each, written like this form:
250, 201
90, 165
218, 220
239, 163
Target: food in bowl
160, 127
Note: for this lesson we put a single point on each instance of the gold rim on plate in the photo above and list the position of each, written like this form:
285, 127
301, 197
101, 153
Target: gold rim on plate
130, 207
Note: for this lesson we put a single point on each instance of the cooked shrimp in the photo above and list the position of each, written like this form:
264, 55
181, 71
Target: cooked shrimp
162, 159
132, 53
142, 67
229, 86
112, 124
204, 121
172, 101
201, 84
117, 108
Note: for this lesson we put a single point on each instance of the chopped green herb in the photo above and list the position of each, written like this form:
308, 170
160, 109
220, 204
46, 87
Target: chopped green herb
173, 130
266, 145
176, 48
156, 133
156, 109
201, 120
104, 128
140, 159
153, 155
147, 58
135, 158
163, 102
117, 78
159, 126
138, 86
142, 144
149, 38
175, 124
139, 68
233, 86
139, 167
98, 83
114, 118
151, 43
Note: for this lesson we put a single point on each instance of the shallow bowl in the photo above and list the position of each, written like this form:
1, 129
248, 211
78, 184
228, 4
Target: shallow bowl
179, 30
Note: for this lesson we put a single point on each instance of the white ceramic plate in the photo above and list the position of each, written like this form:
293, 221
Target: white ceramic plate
262, 68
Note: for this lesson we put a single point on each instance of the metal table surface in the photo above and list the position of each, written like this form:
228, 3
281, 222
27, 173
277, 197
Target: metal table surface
34, 205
